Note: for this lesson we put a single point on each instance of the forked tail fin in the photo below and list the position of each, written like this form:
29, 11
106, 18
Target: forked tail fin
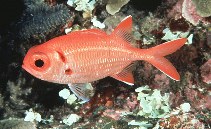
157, 53
154, 55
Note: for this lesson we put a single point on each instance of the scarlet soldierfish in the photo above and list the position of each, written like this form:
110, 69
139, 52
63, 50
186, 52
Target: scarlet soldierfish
85, 56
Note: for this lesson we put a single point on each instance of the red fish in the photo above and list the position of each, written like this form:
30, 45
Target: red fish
89, 55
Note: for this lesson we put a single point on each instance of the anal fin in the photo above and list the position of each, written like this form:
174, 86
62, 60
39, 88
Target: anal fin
83, 91
125, 75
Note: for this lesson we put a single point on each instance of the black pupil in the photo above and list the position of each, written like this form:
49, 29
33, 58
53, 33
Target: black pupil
39, 63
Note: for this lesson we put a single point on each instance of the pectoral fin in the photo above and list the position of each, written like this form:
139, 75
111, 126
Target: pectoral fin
83, 91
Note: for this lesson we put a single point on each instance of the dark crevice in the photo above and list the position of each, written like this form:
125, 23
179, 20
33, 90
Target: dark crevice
146, 5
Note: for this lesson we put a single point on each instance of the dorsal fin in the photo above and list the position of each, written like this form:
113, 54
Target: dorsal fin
95, 31
81, 34
123, 30
88, 31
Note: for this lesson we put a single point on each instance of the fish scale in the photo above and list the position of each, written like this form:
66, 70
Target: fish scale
91, 59
85, 56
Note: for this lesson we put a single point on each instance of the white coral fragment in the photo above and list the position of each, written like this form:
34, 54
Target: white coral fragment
141, 124
71, 99
153, 104
65, 93
113, 6
169, 35
32, 116
82, 5
70, 2
68, 30
190, 39
72, 118
185, 107
97, 23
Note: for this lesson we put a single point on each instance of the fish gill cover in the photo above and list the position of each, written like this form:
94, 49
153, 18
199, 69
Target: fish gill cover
40, 19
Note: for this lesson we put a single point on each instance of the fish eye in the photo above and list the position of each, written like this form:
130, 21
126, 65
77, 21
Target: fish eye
39, 63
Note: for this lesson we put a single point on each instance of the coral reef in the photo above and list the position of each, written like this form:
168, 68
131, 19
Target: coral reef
82, 5
155, 101
206, 72
191, 12
113, 7
203, 7
179, 119
148, 25
154, 105
16, 124
40, 19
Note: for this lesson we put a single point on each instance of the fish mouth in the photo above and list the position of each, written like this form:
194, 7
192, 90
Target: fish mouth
30, 71
25, 68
